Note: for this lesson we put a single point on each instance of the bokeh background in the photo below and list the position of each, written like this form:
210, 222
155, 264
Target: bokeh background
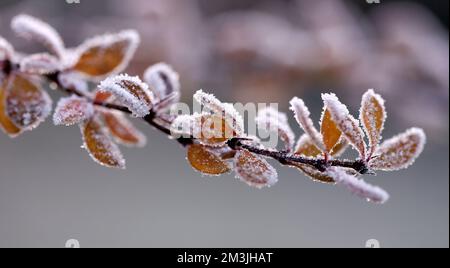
246, 51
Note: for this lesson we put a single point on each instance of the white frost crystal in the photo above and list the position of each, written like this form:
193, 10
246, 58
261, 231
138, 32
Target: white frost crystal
72, 110
40, 64
162, 79
254, 170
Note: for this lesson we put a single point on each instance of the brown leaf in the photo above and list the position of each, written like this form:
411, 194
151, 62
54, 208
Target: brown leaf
27, 105
400, 151
205, 161
5, 122
107, 54
372, 116
212, 129
254, 170
123, 130
100, 145
330, 132
314, 174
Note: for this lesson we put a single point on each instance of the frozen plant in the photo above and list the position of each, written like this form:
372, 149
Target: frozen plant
215, 140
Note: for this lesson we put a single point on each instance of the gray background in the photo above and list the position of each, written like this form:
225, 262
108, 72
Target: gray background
50, 191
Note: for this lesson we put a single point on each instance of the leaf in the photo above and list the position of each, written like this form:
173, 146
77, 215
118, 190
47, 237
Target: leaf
130, 92
34, 29
225, 110
106, 54
330, 132
346, 123
212, 129
271, 119
40, 64
306, 147
27, 105
6, 50
372, 116
100, 145
302, 115
205, 161
73, 81
5, 122
340, 147
254, 170
72, 110
314, 174
123, 130
163, 80
400, 151
358, 186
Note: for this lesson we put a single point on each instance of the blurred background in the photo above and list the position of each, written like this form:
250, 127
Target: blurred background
246, 51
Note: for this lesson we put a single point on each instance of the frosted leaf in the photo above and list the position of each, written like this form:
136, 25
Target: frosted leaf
314, 174
306, 147
330, 132
340, 147
107, 54
400, 151
72, 110
205, 161
163, 80
254, 170
302, 115
27, 105
5, 121
358, 187
123, 130
73, 81
212, 129
348, 125
40, 64
165, 103
183, 125
226, 110
6, 50
271, 119
99, 144
372, 116
130, 92
34, 29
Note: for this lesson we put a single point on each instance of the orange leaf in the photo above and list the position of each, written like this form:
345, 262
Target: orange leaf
123, 130
305, 146
100, 145
330, 132
5, 122
107, 54
372, 116
27, 105
205, 161
254, 170
212, 129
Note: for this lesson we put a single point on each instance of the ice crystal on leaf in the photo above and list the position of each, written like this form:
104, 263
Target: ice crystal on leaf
372, 116
302, 115
34, 29
271, 119
163, 81
131, 92
27, 105
357, 186
254, 170
400, 151
346, 123
73, 81
100, 145
206, 161
5, 121
106, 54
72, 110
42, 64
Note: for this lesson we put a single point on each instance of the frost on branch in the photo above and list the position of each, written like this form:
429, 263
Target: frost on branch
400, 151
372, 116
130, 92
302, 115
100, 145
34, 29
206, 161
107, 54
225, 110
27, 105
40, 64
72, 110
271, 119
163, 80
123, 130
254, 170
6, 50
358, 187
346, 123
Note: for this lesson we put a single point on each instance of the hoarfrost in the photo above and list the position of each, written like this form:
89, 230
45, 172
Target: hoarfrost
72, 110
40, 64
254, 170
